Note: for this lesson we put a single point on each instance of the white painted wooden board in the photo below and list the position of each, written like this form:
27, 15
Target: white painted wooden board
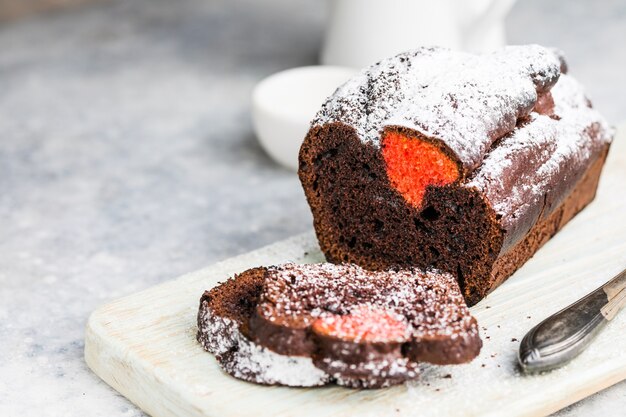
144, 345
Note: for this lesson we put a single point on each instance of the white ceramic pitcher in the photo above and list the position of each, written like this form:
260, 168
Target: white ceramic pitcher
360, 32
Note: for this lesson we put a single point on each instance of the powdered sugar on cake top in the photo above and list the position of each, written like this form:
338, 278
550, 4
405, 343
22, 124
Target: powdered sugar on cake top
465, 100
529, 161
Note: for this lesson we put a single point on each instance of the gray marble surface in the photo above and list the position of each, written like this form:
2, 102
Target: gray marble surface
127, 158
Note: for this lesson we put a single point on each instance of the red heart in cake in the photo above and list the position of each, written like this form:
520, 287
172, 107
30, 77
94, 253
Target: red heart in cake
364, 324
414, 164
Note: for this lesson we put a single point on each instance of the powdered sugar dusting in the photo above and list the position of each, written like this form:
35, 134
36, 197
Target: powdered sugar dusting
246, 360
465, 100
536, 156
377, 374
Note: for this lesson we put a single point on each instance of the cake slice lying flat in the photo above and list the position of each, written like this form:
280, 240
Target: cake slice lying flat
307, 325
465, 163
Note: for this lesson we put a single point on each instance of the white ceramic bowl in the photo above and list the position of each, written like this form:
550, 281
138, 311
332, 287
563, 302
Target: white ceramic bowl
284, 104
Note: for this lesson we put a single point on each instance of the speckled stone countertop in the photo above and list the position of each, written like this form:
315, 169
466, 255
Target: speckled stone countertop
127, 158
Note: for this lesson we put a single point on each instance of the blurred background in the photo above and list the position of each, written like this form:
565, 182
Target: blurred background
128, 157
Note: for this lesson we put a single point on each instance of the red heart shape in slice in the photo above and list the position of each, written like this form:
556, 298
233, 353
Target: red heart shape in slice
364, 324
414, 164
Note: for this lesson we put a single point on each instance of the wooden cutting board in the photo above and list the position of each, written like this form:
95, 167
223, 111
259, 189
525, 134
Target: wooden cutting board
144, 345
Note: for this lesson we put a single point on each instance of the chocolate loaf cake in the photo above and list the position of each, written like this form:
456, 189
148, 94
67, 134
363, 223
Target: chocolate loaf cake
465, 163
307, 325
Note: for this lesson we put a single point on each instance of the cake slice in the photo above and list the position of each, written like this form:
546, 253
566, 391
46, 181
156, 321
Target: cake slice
306, 325
464, 163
